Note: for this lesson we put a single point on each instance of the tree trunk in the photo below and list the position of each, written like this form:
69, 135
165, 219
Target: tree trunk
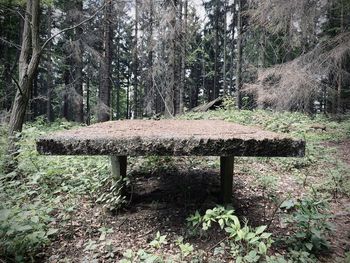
77, 98
233, 46
49, 80
33, 100
183, 59
225, 44
105, 69
136, 63
88, 111
128, 95
204, 73
239, 56
118, 75
171, 87
150, 92
66, 77
216, 54
27, 67
340, 71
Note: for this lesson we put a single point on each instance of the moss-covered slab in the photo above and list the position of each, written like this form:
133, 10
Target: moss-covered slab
170, 137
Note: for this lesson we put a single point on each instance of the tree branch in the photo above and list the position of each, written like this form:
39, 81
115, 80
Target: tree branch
72, 27
10, 43
5, 7
18, 86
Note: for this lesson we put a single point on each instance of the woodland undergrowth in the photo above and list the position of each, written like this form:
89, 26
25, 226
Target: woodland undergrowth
39, 198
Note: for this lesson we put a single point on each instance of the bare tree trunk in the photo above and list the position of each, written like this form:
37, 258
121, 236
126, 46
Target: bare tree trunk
118, 74
204, 73
233, 46
136, 62
171, 87
340, 73
149, 97
128, 96
66, 77
239, 56
27, 67
216, 53
183, 58
49, 80
88, 111
105, 68
225, 45
150, 60
33, 99
77, 98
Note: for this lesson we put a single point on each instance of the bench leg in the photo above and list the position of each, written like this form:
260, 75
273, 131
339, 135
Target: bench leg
118, 168
226, 173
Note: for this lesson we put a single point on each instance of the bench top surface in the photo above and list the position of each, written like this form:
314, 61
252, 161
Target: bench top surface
170, 137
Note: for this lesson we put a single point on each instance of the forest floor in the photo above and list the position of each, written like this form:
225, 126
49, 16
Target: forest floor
162, 201
57, 196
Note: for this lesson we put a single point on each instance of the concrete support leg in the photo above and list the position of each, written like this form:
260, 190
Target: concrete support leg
226, 173
119, 164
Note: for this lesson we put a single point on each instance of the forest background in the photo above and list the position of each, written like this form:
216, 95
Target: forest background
100, 60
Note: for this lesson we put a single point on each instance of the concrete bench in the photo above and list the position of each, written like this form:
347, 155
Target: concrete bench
120, 139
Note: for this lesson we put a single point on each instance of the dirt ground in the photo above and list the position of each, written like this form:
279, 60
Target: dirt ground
162, 202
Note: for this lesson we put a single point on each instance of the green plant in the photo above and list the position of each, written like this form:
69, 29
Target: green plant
229, 103
218, 214
185, 248
302, 256
309, 219
40, 196
158, 241
338, 182
111, 195
141, 255
268, 185
246, 244
104, 232
129, 256
23, 230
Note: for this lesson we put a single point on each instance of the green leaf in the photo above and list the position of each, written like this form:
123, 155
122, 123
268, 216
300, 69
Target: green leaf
300, 235
254, 240
239, 259
221, 223
23, 228
236, 221
102, 236
240, 235
262, 248
252, 256
260, 229
288, 204
51, 231
249, 236
265, 235
35, 219
309, 246
4, 214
